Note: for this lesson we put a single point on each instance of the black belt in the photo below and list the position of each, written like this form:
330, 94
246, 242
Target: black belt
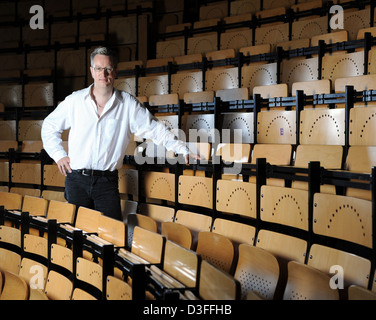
97, 173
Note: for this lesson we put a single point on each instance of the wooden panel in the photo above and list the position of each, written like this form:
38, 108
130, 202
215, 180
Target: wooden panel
275, 154
197, 191
159, 185
218, 79
360, 83
239, 123
128, 181
258, 75
4, 171
240, 7
152, 85
87, 219
330, 157
11, 95
361, 159
276, 126
216, 284
281, 245
307, 283
26, 173
202, 44
322, 126
299, 70
285, 206
63, 212
312, 87
11, 201
62, 256
30, 130
309, 28
272, 91
344, 218
236, 197
164, 99
89, 272
342, 65
8, 130
34, 205
217, 249
356, 20
272, 34
39, 95
329, 38
362, 126
126, 84
234, 152
356, 270
170, 48
235, 231
112, 230
147, 245
180, 263
182, 83
36, 245
236, 39
198, 125
233, 94
257, 271
52, 176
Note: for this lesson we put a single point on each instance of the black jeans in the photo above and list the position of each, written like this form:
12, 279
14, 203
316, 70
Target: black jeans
94, 192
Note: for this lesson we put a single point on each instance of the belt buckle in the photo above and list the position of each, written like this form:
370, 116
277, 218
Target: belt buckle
85, 174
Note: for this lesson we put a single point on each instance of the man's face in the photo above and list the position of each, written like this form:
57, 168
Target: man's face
103, 71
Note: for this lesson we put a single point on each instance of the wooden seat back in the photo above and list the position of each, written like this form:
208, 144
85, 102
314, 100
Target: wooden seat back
112, 230
216, 284
62, 256
10, 261
148, 245
277, 127
14, 287
307, 283
285, 206
89, 272
236, 197
177, 233
63, 212
257, 271
217, 249
87, 219
196, 223
343, 217
234, 152
142, 221
200, 191
356, 269
35, 206
118, 289
58, 287
11, 201
181, 263
322, 126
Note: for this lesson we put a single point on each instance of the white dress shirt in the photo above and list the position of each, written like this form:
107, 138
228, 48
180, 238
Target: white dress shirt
100, 143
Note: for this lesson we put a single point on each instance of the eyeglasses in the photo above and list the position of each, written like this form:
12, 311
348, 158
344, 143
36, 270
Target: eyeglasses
100, 69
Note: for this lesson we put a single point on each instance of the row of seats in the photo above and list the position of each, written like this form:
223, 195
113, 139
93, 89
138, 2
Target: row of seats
258, 271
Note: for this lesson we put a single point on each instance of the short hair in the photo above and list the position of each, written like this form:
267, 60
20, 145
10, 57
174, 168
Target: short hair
106, 52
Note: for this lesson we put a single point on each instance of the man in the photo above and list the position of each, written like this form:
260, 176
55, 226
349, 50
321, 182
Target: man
101, 120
